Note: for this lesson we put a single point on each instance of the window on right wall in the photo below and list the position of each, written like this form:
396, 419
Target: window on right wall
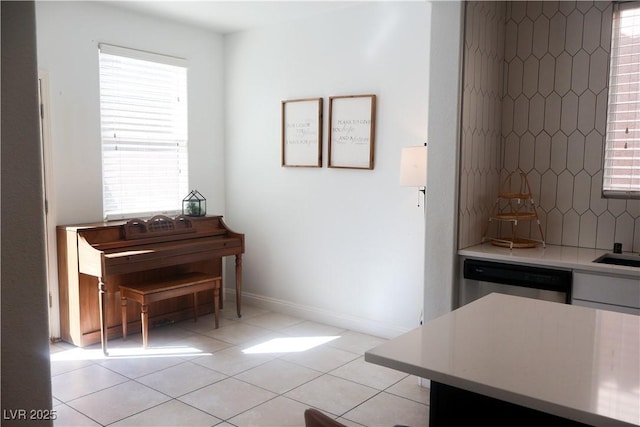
622, 145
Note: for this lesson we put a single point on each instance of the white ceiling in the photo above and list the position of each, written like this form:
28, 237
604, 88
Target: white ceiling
230, 16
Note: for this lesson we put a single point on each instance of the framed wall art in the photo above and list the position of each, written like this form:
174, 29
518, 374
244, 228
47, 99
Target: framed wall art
302, 132
352, 131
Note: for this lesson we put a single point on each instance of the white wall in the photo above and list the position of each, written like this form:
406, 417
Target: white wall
68, 34
343, 246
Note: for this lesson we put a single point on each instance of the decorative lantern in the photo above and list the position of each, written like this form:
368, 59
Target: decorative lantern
194, 204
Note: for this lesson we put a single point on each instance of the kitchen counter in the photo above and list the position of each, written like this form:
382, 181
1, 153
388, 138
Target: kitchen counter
567, 257
575, 363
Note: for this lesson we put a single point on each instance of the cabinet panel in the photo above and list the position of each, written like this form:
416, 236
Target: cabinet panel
606, 291
610, 307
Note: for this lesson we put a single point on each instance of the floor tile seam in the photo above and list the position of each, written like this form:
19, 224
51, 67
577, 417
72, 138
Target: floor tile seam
353, 421
405, 397
327, 411
226, 377
386, 390
308, 405
241, 342
381, 389
226, 419
170, 398
252, 408
151, 388
164, 403
359, 353
297, 334
244, 315
70, 402
112, 386
378, 394
72, 370
284, 395
168, 401
280, 393
209, 352
195, 331
247, 369
125, 379
221, 340
140, 376
201, 410
291, 399
405, 375
354, 382
277, 329
134, 414
210, 369
282, 357
84, 415
358, 405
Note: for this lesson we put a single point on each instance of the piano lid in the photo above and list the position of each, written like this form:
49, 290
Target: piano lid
157, 229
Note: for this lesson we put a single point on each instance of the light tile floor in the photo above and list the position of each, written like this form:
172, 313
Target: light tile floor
246, 373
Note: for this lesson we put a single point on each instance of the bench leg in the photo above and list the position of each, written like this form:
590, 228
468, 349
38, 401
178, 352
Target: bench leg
195, 306
145, 325
216, 301
123, 303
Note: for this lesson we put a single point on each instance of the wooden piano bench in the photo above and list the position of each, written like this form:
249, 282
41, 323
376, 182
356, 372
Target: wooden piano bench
152, 291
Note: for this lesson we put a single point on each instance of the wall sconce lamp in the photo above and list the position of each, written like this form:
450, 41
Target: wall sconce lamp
413, 168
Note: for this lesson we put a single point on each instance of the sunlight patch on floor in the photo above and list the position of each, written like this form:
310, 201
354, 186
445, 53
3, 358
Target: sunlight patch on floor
126, 353
289, 345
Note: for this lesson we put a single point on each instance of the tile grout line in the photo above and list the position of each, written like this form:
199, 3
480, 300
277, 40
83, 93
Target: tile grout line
238, 346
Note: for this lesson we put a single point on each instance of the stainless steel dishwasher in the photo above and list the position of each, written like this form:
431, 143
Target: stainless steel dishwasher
484, 277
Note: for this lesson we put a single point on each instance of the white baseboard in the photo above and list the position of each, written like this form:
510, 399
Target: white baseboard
320, 315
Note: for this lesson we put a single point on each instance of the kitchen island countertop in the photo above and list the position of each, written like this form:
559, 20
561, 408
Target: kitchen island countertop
577, 363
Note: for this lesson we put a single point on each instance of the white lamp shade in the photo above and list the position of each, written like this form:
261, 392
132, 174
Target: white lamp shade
413, 167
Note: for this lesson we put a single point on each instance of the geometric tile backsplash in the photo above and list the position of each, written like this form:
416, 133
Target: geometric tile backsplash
535, 99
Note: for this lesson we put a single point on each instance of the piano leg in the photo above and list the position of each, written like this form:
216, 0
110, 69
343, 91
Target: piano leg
239, 284
195, 306
123, 310
102, 298
144, 314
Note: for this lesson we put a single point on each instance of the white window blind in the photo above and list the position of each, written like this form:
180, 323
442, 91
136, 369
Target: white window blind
143, 111
622, 148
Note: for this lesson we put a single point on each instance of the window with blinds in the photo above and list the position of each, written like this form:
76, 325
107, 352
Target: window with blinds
143, 111
622, 147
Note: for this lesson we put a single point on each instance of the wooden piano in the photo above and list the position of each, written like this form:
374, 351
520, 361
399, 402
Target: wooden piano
94, 259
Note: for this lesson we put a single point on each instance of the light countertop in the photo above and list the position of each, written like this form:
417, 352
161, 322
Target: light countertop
567, 257
574, 362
